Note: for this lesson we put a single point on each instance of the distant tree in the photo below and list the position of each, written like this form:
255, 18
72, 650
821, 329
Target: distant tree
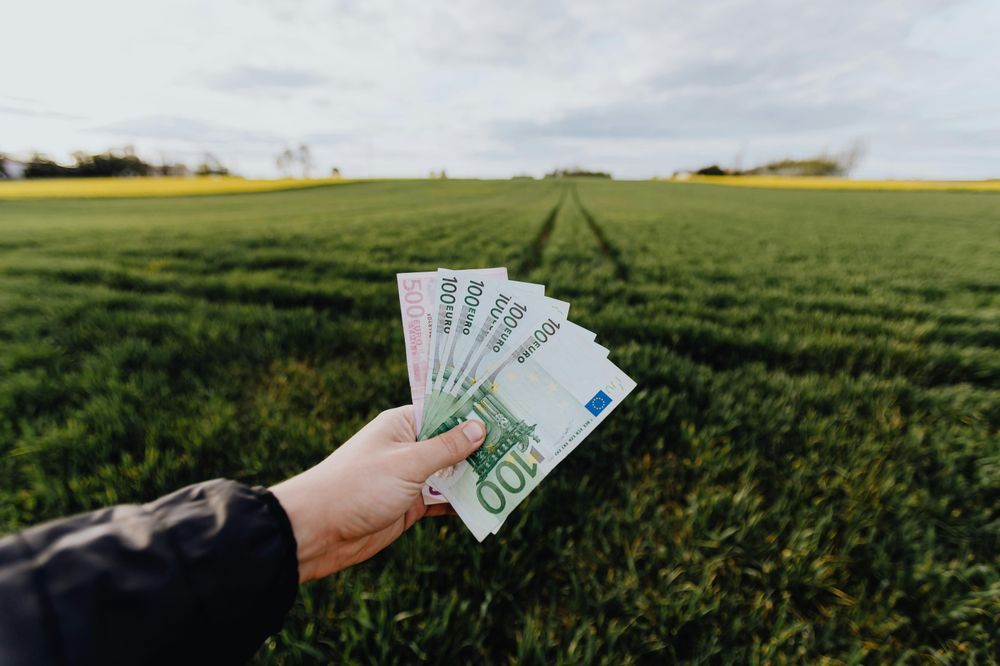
284, 161
211, 166
110, 164
822, 165
853, 155
304, 156
166, 168
175, 169
577, 172
712, 170
114, 163
3, 166
296, 163
335, 172
40, 166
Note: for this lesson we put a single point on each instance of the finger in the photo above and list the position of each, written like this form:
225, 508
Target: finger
416, 511
440, 510
446, 449
400, 421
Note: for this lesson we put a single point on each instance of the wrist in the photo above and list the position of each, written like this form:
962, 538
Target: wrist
310, 539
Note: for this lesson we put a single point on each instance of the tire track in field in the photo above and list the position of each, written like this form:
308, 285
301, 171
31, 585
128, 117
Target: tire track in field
608, 249
533, 254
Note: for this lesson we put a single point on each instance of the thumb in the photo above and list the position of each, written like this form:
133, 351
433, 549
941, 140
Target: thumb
449, 448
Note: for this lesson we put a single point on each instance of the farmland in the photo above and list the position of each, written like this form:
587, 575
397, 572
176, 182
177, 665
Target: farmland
808, 468
171, 186
827, 183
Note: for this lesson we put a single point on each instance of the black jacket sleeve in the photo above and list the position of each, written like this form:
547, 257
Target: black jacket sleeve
203, 575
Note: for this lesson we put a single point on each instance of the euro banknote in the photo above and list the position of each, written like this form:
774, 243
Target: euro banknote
508, 321
537, 407
416, 308
462, 299
480, 346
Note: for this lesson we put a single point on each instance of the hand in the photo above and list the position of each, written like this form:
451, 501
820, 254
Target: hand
367, 492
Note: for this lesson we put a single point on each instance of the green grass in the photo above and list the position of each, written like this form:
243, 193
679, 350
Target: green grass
809, 468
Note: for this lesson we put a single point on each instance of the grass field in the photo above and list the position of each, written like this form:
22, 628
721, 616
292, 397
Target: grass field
809, 469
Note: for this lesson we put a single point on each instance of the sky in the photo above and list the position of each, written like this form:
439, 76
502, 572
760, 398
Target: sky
481, 89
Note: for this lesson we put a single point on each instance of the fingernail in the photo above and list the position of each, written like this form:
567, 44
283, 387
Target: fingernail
473, 430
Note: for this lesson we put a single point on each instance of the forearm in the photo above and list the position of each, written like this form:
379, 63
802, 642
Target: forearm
203, 574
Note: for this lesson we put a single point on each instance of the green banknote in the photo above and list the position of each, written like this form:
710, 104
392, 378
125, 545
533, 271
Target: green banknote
511, 318
476, 324
479, 346
547, 395
453, 292
467, 301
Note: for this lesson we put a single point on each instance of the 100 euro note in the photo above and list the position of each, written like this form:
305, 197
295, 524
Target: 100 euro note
479, 312
458, 297
500, 298
538, 405
517, 320
507, 322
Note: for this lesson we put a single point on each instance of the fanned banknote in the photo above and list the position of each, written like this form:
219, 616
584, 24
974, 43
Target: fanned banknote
501, 352
511, 308
511, 318
459, 298
416, 308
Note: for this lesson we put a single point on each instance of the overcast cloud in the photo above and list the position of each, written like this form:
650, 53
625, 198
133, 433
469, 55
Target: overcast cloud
492, 89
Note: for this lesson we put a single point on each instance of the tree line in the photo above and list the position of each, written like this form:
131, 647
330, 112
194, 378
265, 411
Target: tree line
120, 163
824, 164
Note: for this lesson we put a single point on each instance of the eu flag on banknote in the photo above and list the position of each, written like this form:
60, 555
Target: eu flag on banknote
598, 403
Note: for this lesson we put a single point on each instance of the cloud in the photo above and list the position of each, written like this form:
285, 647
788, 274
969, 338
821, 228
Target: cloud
188, 130
22, 106
641, 87
327, 138
250, 77
709, 116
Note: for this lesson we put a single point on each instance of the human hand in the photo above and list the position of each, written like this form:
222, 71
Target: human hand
367, 492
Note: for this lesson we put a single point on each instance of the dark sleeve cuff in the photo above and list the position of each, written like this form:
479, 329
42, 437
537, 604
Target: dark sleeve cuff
202, 575
237, 549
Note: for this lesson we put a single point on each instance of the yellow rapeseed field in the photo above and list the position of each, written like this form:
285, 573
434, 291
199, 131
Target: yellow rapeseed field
818, 183
76, 188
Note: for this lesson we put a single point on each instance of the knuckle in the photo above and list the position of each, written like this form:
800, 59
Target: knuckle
452, 442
